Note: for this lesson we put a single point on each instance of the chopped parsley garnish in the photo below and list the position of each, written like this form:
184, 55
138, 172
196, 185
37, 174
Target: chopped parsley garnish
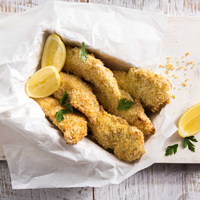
64, 102
171, 149
124, 104
83, 54
59, 114
64, 98
190, 145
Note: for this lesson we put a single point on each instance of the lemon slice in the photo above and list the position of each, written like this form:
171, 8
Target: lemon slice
189, 123
43, 83
54, 53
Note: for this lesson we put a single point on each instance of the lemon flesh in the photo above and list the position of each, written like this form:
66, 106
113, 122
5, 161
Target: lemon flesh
43, 83
54, 53
189, 123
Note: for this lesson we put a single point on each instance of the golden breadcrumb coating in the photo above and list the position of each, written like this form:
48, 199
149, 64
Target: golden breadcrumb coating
135, 115
93, 71
153, 90
74, 126
114, 133
80, 95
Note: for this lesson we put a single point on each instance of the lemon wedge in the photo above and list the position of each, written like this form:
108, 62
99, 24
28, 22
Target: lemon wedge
189, 123
54, 53
43, 83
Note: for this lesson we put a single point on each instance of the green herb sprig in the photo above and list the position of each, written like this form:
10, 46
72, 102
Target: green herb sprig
83, 54
171, 149
124, 104
190, 145
64, 102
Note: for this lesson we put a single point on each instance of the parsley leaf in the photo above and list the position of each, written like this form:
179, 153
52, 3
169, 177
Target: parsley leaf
83, 54
171, 149
64, 98
124, 104
68, 106
190, 145
59, 115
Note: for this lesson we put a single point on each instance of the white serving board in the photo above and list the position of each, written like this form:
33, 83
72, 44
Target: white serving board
182, 36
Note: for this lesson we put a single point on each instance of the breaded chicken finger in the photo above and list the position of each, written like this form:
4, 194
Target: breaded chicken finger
114, 133
152, 89
135, 116
93, 71
74, 125
80, 95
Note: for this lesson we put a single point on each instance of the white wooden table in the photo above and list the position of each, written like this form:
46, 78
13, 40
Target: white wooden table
160, 181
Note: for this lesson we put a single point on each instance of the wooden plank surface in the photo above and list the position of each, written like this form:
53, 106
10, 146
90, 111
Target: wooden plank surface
160, 181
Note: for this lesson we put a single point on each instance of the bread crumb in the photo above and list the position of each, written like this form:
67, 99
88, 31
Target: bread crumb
168, 58
186, 69
173, 97
174, 87
183, 56
187, 53
184, 84
179, 89
183, 61
186, 80
167, 72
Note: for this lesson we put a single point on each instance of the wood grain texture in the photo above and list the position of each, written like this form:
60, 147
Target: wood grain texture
16, 6
171, 7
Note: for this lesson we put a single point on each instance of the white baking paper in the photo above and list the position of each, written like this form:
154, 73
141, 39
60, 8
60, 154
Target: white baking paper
37, 154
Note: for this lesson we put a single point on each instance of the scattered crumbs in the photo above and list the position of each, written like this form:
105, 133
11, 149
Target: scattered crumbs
187, 53
186, 69
183, 56
191, 62
178, 61
183, 61
176, 40
188, 63
179, 89
167, 72
186, 80
174, 87
192, 67
185, 74
173, 97
191, 85
168, 61
184, 84
168, 58
181, 67
160, 66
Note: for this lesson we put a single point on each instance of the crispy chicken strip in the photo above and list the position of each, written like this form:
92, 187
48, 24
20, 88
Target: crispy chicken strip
74, 126
114, 133
80, 95
93, 71
135, 116
110, 131
153, 90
